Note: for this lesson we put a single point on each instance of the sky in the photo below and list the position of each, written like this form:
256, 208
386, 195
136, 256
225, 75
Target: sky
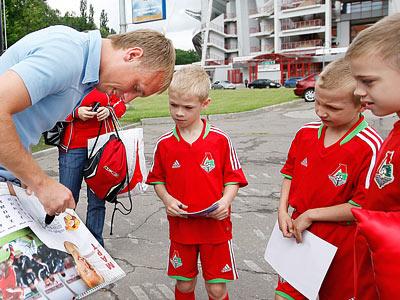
178, 27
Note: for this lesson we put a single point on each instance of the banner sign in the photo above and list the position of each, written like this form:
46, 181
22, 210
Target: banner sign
148, 10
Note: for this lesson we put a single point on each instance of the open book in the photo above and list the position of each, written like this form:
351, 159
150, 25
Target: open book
58, 261
201, 213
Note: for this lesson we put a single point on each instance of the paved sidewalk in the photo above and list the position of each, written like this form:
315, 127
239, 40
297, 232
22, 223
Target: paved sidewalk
140, 240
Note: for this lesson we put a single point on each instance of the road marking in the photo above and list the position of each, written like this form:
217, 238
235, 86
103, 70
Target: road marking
165, 290
252, 265
253, 176
267, 175
259, 233
139, 293
155, 294
235, 215
261, 216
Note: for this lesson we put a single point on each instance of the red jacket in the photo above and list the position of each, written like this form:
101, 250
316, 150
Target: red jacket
77, 132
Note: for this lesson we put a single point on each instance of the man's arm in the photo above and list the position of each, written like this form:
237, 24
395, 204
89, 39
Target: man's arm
14, 98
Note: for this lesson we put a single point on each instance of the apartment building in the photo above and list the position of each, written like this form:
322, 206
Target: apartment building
278, 39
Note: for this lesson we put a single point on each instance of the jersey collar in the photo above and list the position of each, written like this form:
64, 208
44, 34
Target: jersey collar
359, 126
204, 133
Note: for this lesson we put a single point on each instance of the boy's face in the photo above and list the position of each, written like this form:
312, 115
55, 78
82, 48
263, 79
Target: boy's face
336, 108
378, 84
185, 110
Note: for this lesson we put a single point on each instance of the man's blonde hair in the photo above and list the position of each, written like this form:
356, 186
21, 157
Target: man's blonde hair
337, 75
191, 80
158, 51
382, 38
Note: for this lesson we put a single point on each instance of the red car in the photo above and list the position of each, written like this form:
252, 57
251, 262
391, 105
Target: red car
305, 87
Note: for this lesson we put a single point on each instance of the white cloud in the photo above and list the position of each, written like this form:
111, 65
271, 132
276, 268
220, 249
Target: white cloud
178, 27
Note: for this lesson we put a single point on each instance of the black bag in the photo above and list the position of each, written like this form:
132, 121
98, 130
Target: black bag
54, 136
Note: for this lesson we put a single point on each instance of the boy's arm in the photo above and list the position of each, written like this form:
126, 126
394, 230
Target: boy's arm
336, 213
284, 219
222, 212
173, 207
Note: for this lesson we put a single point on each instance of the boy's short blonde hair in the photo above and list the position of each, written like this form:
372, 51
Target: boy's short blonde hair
158, 51
191, 80
337, 75
382, 38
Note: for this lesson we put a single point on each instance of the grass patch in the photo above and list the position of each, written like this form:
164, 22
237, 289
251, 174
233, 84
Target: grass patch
222, 102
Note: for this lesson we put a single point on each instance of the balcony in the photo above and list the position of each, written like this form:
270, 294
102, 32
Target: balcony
267, 49
267, 29
290, 4
303, 44
217, 43
263, 11
213, 60
231, 31
303, 24
230, 16
232, 46
213, 27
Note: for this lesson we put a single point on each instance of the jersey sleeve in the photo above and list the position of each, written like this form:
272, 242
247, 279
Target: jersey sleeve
156, 174
118, 106
288, 169
362, 183
233, 172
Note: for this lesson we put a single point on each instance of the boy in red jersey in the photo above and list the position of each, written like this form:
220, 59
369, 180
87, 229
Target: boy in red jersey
326, 173
375, 63
195, 165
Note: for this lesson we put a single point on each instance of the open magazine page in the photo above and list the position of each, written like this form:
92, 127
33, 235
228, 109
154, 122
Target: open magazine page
58, 261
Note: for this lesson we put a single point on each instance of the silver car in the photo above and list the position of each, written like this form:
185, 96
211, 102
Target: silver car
223, 85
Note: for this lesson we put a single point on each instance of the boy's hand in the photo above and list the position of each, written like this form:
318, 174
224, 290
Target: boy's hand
222, 211
300, 224
174, 207
85, 113
285, 224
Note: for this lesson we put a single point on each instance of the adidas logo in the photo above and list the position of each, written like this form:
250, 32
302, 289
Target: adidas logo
305, 162
176, 165
227, 268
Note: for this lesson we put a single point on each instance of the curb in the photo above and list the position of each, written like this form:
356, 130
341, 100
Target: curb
168, 120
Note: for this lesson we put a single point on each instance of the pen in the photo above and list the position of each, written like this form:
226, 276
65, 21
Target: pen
48, 219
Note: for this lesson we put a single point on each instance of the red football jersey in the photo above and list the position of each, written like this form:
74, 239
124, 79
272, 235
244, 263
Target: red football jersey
383, 195
196, 175
326, 176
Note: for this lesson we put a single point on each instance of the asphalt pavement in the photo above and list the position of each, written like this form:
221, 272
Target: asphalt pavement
140, 240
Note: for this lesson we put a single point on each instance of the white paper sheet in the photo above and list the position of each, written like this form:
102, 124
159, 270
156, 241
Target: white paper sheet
303, 265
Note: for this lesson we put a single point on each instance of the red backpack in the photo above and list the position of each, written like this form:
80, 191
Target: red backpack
106, 172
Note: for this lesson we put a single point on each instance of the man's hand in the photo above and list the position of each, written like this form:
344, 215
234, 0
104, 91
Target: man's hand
54, 196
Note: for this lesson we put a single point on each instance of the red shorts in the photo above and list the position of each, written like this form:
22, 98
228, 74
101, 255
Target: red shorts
285, 290
217, 261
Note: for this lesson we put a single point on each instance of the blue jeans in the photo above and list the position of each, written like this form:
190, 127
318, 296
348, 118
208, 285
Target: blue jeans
71, 174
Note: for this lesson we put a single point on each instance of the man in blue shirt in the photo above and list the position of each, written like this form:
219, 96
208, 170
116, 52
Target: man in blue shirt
44, 76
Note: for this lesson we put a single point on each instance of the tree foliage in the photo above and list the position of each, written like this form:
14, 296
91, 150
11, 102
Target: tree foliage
184, 57
25, 16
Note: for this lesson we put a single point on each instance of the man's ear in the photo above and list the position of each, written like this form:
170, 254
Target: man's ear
132, 54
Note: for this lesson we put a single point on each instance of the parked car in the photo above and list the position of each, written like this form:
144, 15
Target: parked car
291, 82
263, 84
223, 84
305, 87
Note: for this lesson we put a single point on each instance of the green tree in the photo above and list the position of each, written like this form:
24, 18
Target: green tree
104, 29
184, 57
